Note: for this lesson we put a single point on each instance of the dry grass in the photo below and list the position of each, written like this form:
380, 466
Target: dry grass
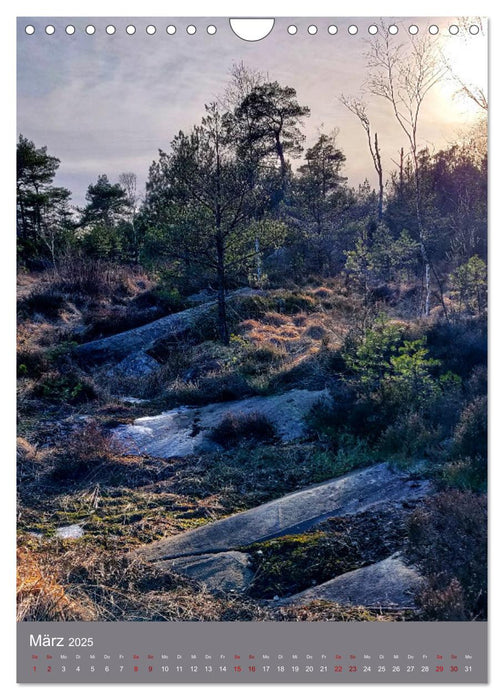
323, 292
320, 610
73, 581
275, 319
32, 461
39, 594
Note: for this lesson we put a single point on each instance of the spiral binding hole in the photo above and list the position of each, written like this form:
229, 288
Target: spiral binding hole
292, 29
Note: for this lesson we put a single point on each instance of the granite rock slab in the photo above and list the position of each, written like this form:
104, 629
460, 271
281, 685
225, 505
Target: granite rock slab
355, 492
389, 583
186, 431
227, 571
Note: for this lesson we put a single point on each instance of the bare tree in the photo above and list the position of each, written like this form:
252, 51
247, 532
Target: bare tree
359, 108
404, 75
243, 81
128, 182
465, 89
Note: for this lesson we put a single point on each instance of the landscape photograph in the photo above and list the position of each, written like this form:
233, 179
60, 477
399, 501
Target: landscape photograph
252, 320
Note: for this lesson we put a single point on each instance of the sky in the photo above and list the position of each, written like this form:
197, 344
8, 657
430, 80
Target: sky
106, 103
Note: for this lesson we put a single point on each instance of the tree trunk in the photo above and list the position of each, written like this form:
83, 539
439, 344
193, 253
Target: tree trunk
379, 170
283, 164
421, 237
222, 325
258, 261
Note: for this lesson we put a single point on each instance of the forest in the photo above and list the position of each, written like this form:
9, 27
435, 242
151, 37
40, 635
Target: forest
247, 279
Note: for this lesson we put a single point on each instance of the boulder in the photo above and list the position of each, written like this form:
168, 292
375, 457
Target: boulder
185, 431
227, 571
389, 583
134, 366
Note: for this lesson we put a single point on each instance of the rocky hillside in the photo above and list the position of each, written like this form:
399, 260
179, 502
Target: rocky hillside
289, 475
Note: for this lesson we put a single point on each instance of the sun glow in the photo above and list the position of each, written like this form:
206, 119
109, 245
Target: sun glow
466, 60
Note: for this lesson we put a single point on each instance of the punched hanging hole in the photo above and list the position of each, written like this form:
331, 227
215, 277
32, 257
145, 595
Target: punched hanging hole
29, 29
170, 29
373, 29
312, 29
434, 29
110, 29
130, 29
453, 29
353, 29
251, 28
332, 29
292, 29
150, 29
70, 29
474, 29
191, 29
211, 29
90, 29
413, 29
393, 29
50, 29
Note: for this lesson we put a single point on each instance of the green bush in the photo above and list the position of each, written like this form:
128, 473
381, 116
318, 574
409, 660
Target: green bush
368, 358
68, 387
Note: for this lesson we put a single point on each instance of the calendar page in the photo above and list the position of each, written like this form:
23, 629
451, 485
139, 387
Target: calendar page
252, 350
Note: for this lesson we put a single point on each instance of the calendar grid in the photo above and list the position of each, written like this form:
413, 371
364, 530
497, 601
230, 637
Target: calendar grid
251, 652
